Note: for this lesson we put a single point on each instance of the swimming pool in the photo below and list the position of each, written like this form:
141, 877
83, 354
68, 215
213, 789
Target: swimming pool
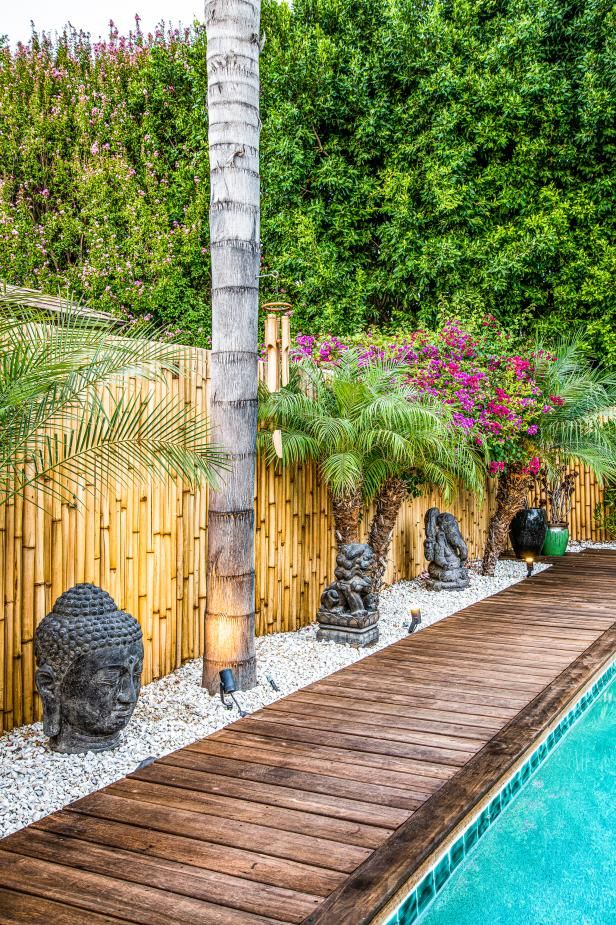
550, 858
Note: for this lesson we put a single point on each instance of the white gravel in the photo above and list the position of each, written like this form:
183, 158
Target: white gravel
175, 710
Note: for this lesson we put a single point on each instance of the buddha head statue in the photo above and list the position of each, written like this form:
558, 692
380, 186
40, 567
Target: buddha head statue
89, 658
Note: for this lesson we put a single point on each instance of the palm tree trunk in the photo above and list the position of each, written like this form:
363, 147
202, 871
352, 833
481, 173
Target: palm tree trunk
511, 497
232, 28
388, 503
347, 513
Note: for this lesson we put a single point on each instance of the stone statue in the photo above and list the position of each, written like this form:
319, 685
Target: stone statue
446, 551
349, 607
89, 658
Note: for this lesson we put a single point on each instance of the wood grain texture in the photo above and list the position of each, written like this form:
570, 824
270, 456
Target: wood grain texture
317, 809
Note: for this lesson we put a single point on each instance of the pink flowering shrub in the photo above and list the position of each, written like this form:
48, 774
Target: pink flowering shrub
490, 386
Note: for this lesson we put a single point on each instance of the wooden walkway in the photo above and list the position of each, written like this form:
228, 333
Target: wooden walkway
318, 808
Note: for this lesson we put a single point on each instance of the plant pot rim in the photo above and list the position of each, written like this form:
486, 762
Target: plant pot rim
560, 524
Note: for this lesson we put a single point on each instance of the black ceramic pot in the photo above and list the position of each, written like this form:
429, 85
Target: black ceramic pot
527, 532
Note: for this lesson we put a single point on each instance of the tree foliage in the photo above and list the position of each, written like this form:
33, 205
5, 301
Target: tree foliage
364, 424
421, 160
64, 418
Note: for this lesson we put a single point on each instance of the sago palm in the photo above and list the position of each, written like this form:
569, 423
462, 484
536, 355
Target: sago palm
368, 430
580, 429
67, 416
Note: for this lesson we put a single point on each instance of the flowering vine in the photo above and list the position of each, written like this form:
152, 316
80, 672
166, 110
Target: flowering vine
490, 386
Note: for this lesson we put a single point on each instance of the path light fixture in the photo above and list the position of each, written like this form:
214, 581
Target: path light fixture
415, 615
415, 619
228, 686
530, 564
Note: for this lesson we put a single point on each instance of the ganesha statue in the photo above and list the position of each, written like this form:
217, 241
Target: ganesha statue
446, 552
349, 607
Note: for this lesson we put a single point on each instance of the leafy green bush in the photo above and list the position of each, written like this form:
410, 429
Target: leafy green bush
102, 186
419, 162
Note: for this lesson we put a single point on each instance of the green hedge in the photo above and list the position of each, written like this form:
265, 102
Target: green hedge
420, 160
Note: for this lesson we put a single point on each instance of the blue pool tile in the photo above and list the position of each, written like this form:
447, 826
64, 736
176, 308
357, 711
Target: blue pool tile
441, 873
483, 823
456, 855
495, 808
408, 912
425, 892
470, 837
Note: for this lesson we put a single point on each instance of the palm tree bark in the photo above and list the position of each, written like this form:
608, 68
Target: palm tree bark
511, 497
232, 28
347, 513
388, 504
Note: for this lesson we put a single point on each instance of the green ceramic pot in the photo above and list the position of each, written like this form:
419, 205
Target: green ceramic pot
556, 540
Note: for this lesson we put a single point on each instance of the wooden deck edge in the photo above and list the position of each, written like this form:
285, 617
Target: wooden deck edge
385, 878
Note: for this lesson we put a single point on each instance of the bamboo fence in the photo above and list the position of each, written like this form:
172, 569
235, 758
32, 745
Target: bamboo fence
147, 547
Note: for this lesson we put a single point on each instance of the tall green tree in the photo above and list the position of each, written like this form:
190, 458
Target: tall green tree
420, 161
444, 160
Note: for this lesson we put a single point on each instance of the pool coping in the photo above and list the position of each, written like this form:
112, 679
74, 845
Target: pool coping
384, 881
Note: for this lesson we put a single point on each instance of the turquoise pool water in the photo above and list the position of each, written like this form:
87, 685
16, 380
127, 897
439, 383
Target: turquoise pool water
550, 858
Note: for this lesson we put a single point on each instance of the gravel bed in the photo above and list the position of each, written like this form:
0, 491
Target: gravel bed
175, 710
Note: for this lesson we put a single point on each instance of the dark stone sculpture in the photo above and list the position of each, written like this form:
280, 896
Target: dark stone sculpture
446, 551
349, 607
89, 656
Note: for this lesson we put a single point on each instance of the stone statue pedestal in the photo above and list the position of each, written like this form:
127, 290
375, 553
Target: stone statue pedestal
348, 629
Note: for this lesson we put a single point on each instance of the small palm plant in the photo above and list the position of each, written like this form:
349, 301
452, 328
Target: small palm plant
371, 434
578, 427
66, 415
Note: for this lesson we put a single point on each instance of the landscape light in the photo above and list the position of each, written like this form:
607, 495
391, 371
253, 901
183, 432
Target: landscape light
415, 619
228, 686
530, 564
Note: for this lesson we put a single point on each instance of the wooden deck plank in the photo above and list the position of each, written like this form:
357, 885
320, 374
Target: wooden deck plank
315, 809
243, 776
18, 908
395, 787
250, 866
169, 875
319, 852
194, 796
142, 905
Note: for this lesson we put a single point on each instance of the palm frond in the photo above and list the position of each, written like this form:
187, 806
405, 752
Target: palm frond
342, 472
61, 417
